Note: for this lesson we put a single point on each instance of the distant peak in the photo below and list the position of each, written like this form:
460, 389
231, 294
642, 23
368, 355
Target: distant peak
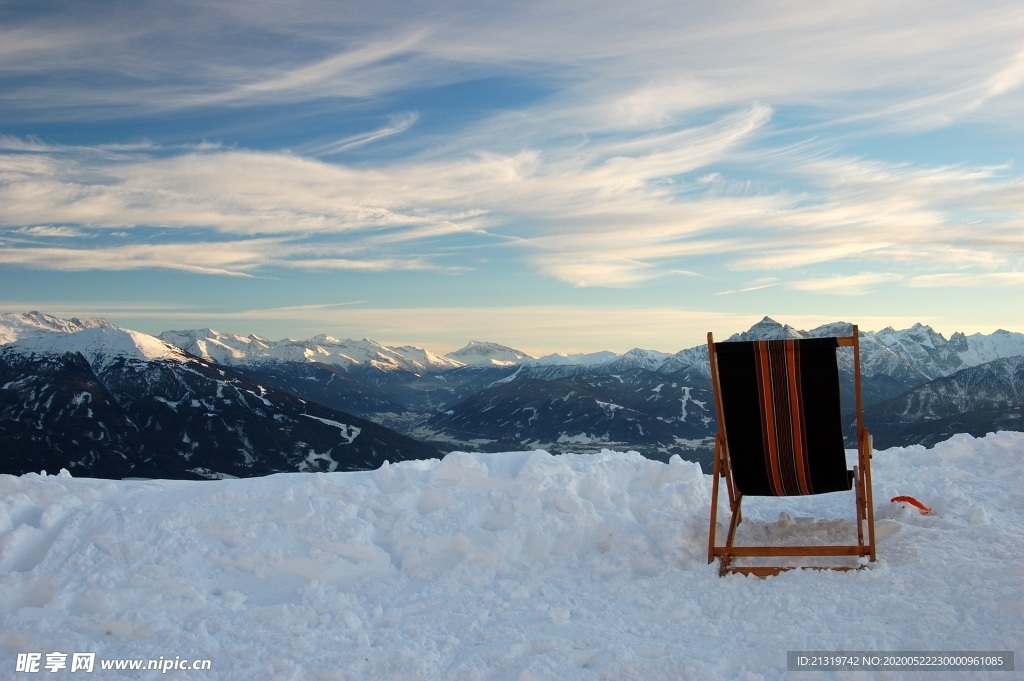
192, 333
765, 329
768, 323
15, 324
485, 353
326, 339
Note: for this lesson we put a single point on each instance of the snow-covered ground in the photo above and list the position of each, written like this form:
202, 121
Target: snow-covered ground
501, 566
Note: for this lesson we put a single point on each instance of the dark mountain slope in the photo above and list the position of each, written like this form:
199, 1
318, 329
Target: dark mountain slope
173, 419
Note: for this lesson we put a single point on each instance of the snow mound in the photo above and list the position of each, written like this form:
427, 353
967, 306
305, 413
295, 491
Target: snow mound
519, 565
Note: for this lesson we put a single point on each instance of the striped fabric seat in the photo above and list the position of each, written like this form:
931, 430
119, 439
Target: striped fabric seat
782, 416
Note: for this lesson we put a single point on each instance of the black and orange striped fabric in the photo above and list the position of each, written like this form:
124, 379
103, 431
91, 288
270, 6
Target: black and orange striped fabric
783, 420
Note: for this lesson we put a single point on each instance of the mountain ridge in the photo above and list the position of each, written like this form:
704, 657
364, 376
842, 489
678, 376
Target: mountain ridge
958, 352
490, 397
883, 349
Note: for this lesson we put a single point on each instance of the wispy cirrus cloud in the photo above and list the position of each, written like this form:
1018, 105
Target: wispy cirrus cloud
229, 259
611, 214
398, 123
358, 72
968, 279
247, 257
49, 231
275, 194
859, 211
846, 285
876, 60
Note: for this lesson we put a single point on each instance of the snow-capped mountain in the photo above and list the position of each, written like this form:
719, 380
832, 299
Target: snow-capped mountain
587, 359
928, 352
233, 350
919, 351
975, 400
222, 348
637, 358
109, 402
15, 325
478, 353
769, 329
100, 346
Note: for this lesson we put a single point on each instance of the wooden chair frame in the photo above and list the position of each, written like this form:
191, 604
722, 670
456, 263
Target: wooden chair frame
723, 470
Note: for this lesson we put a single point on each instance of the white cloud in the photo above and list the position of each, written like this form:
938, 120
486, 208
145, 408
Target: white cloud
232, 259
968, 279
49, 231
755, 285
846, 285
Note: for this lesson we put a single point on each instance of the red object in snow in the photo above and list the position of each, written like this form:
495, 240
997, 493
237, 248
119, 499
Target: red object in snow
913, 502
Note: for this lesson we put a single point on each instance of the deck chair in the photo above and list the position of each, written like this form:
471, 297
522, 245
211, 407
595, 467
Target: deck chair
780, 433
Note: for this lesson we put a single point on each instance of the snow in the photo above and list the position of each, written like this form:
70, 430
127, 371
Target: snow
350, 433
519, 565
998, 345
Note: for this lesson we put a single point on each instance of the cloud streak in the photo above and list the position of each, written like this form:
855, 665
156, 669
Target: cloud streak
399, 123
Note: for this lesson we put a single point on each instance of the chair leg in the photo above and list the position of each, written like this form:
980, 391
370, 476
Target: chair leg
714, 520
868, 501
737, 518
859, 488
715, 475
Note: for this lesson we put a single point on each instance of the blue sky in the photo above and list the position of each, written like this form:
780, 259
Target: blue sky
553, 176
